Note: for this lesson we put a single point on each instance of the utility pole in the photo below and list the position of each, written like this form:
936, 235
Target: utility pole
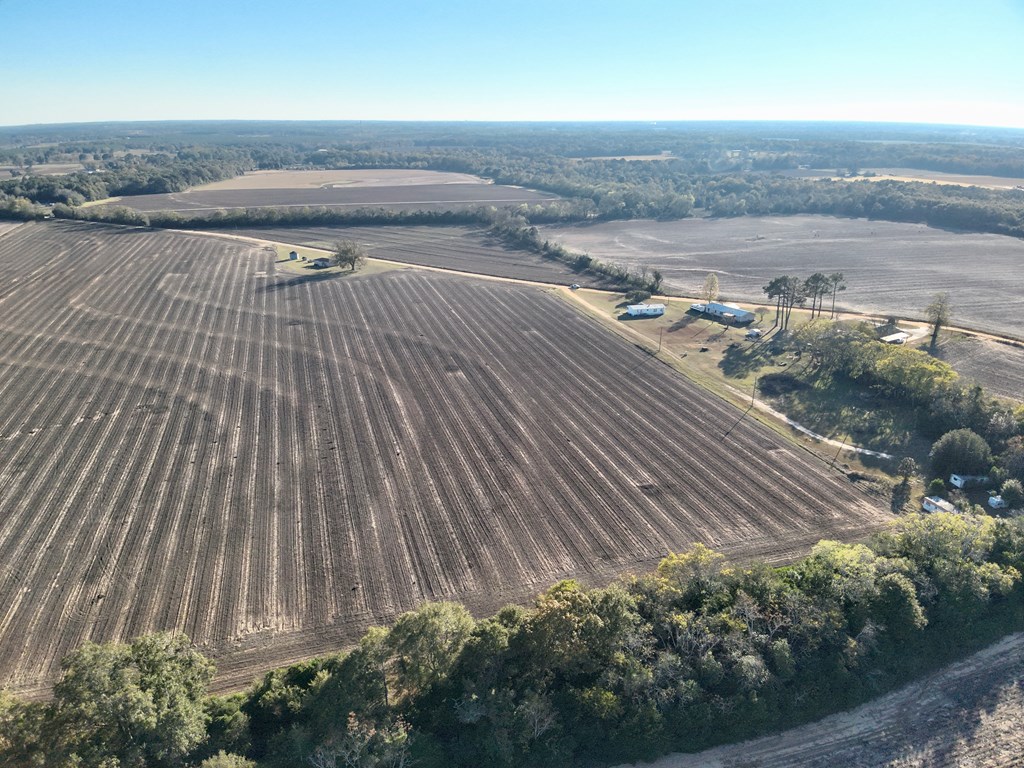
753, 393
660, 334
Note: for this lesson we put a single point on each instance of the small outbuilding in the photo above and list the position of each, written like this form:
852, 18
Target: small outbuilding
997, 502
968, 481
645, 310
935, 504
294, 255
321, 262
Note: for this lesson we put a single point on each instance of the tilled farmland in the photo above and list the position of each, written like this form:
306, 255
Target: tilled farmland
890, 268
411, 197
464, 249
271, 462
998, 366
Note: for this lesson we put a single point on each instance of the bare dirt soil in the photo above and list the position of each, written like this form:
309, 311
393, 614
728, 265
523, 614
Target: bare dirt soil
41, 169
968, 715
913, 174
8, 226
997, 366
463, 249
890, 268
271, 461
383, 177
398, 196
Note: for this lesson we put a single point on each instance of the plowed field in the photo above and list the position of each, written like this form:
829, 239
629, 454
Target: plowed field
460, 248
271, 462
997, 366
890, 268
426, 191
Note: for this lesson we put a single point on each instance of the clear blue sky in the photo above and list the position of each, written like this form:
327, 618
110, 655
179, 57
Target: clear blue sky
950, 61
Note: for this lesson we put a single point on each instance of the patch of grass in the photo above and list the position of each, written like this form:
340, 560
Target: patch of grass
840, 409
284, 263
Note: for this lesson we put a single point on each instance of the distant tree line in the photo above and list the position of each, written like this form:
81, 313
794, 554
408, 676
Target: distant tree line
698, 653
704, 174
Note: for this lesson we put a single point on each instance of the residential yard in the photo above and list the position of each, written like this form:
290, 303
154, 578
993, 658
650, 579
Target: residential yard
721, 358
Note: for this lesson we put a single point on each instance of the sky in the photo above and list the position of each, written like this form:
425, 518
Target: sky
925, 61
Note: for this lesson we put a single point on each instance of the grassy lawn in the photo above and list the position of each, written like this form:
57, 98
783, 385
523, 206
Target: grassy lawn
284, 263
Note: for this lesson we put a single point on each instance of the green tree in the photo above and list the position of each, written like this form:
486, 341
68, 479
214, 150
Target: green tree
1012, 492
131, 705
348, 253
939, 313
906, 468
815, 287
962, 452
425, 643
837, 283
227, 760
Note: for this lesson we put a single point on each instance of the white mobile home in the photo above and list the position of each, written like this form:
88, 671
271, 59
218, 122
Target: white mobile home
968, 481
935, 504
645, 310
731, 313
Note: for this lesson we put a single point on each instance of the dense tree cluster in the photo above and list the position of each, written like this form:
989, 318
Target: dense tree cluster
698, 652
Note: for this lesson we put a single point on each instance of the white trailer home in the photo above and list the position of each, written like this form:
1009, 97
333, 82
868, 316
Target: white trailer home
731, 313
968, 481
645, 310
935, 504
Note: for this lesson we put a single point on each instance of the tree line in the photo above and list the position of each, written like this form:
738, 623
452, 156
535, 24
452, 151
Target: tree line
697, 653
702, 174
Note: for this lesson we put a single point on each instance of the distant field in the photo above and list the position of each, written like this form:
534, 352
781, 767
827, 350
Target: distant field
890, 268
997, 366
273, 461
385, 177
912, 174
391, 189
460, 248
42, 169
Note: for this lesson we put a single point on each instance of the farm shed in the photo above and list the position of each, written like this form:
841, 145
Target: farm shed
729, 312
294, 255
645, 310
935, 504
968, 481
895, 338
321, 262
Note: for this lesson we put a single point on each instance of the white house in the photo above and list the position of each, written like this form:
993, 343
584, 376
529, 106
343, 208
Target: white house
645, 310
729, 312
968, 481
997, 502
935, 504
895, 338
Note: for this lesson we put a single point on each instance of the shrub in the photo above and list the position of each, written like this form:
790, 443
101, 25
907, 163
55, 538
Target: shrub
962, 451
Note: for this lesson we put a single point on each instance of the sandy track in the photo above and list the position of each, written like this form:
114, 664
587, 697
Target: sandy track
970, 714
272, 462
